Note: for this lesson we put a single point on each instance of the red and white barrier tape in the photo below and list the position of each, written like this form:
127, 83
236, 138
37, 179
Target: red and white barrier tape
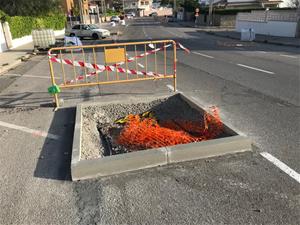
101, 68
183, 48
115, 67
131, 59
119, 70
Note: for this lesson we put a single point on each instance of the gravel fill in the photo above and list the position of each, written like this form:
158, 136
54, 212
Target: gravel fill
99, 130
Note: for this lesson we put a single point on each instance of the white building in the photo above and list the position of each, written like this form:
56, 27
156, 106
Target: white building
138, 4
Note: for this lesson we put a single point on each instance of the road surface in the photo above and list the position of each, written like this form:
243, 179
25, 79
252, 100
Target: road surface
255, 86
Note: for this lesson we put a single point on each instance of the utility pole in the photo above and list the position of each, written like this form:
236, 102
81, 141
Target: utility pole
210, 12
174, 8
80, 12
123, 5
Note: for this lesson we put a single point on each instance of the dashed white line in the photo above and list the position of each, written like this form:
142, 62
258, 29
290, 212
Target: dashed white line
239, 48
204, 55
28, 130
146, 35
261, 52
254, 68
174, 33
171, 87
292, 173
289, 56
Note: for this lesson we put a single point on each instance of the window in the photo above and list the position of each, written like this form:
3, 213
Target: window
76, 27
142, 3
84, 27
133, 4
146, 3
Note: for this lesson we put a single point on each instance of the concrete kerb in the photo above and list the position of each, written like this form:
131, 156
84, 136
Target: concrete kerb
115, 164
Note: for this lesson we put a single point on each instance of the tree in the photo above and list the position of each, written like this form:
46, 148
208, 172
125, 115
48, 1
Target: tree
118, 5
293, 3
30, 7
188, 5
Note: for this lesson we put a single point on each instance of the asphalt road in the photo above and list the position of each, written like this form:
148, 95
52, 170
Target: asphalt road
255, 86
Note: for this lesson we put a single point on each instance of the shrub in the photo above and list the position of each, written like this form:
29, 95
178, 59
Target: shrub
23, 25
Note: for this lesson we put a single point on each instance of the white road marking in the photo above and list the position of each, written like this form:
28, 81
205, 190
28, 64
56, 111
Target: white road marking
173, 33
292, 173
171, 87
141, 65
146, 35
254, 68
28, 130
261, 52
204, 55
27, 75
289, 56
151, 46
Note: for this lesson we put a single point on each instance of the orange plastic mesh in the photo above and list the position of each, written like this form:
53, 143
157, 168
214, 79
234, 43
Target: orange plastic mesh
142, 133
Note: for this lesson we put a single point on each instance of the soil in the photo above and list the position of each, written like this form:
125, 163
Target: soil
99, 131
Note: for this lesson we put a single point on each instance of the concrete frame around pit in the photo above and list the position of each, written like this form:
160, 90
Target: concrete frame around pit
115, 164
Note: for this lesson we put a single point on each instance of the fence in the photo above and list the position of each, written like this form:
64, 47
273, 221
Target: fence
275, 23
265, 16
91, 65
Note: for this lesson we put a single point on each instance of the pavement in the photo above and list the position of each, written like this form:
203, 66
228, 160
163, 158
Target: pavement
229, 32
254, 85
14, 57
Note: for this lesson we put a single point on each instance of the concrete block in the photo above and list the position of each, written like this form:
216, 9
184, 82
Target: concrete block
210, 148
115, 164
118, 163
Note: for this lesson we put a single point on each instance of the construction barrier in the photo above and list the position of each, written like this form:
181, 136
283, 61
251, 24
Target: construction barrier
91, 65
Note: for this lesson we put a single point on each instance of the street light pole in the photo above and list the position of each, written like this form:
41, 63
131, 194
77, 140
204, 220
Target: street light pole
80, 11
210, 12
174, 8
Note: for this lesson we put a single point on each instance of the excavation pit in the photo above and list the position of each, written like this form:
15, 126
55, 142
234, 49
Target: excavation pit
116, 136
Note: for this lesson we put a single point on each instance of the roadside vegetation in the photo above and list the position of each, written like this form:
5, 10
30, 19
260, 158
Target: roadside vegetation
24, 16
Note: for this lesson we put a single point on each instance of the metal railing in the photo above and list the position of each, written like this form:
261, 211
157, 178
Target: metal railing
92, 65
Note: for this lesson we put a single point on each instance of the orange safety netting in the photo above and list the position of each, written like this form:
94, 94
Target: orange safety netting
142, 133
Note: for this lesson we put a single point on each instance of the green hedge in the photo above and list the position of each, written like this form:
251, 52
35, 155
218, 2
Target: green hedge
23, 25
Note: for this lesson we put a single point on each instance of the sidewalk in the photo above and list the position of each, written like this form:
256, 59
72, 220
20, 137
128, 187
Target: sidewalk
285, 41
14, 57
229, 32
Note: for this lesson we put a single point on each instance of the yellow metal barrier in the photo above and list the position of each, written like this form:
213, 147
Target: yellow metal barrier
91, 65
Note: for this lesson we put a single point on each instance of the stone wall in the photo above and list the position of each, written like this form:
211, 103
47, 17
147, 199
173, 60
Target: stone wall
276, 23
218, 20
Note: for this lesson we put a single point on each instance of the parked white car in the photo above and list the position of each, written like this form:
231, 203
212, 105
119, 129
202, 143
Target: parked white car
87, 30
115, 19
130, 15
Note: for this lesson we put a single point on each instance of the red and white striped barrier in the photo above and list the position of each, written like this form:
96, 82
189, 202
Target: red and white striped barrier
183, 48
131, 59
115, 67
